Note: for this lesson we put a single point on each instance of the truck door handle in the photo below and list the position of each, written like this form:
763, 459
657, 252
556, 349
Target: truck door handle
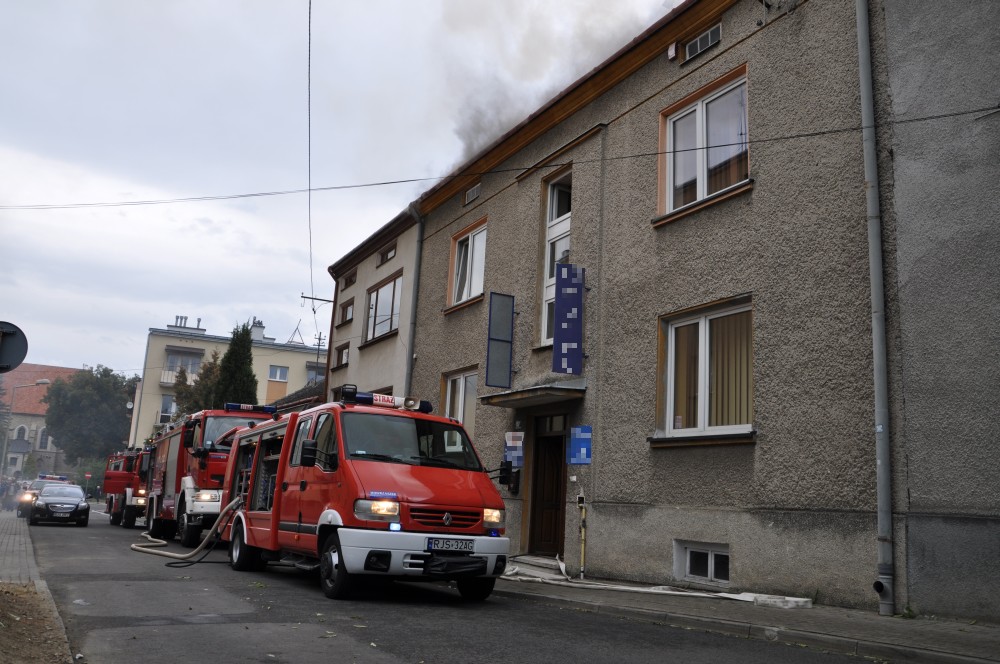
302, 485
284, 486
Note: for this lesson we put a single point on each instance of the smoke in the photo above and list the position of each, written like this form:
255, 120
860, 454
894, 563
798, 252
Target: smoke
508, 58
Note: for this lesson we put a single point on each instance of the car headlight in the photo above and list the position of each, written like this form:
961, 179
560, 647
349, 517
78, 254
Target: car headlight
40, 503
83, 503
207, 497
27, 498
493, 517
377, 510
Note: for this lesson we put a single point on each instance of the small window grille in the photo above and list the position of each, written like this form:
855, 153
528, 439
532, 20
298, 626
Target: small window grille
472, 194
708, 38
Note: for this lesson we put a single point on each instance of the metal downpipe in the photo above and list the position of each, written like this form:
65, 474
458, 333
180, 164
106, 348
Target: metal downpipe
883, 469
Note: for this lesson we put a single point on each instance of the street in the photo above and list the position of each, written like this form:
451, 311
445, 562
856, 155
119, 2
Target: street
119, 605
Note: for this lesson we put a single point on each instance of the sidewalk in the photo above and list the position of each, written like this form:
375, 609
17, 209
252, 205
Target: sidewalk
850, 631
855, 632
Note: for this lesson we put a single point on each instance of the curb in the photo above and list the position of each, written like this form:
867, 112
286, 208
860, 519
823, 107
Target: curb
42, 589
740, 629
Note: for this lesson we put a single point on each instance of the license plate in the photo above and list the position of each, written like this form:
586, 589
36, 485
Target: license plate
447, 544
61, 516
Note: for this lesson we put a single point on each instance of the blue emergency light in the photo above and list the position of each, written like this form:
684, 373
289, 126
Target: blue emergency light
248, 408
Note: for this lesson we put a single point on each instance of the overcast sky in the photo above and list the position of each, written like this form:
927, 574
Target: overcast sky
111, 101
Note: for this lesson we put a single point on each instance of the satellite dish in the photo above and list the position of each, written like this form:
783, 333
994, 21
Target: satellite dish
13, 346
129, 405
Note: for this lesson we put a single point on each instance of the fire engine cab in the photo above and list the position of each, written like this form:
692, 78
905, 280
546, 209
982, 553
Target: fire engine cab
188, 464
125, 486
372, 486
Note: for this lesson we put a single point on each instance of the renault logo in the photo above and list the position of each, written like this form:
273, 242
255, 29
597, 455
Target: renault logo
447, 518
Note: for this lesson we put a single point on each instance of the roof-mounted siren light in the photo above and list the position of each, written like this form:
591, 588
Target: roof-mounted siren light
249, 408
349, 393
419, 405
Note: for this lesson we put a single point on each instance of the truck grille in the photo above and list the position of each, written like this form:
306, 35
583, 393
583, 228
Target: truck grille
436, 518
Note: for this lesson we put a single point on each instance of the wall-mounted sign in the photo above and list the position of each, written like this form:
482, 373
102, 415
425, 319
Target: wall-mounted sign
579, 451
513, 450
567, 338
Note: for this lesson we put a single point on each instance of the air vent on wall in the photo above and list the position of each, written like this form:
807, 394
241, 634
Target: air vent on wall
703, 41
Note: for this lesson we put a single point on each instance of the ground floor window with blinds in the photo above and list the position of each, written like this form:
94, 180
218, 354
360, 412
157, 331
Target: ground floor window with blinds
709, 372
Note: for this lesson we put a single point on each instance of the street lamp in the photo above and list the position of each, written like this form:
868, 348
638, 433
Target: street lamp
6, 434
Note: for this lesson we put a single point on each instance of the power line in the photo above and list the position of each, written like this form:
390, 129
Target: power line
517, 169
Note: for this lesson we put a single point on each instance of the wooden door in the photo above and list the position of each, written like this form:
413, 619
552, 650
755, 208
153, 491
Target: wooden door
548, 505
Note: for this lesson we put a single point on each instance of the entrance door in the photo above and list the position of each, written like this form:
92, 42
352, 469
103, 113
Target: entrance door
548, 490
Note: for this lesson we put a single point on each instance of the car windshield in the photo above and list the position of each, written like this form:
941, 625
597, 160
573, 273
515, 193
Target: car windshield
409, 440
61, 491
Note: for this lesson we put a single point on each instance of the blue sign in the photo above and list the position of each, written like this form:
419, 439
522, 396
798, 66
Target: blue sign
579, 452
514, 448
567, 338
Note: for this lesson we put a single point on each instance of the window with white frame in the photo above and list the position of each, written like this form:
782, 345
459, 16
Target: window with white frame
707, 147
701, 561
468, 259
277, 373
189, 362
460, 400
557, 232
709, 373
167, 408
383, 308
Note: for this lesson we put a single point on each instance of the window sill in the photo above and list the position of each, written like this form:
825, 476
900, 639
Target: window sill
387, 335
540, 348
464, 303
748, 438
697, 206
339, 367
343, 323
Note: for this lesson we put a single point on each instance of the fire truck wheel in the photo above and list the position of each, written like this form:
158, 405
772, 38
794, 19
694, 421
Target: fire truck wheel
242, 556
115, 517
334, 578
475, 590
128, 518
190, 533
156, 529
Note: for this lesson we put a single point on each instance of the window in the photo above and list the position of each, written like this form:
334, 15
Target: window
314, 372
701, 43
190, 363
387, 254
341, 355
347, 311
43, 439
383, 308
460, 399
301, 432
468, 259
707, 142
278, 373
709, 373
349, 280
21, 433
557, 230
326, 441
167, 408
701, 561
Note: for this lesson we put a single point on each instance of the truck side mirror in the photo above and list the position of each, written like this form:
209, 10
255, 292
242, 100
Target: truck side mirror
308, 456
188, 438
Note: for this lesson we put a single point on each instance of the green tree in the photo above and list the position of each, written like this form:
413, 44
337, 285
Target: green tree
204, 393
87, 414
237, 382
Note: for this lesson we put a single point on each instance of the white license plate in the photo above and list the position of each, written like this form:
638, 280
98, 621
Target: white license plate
448, 544
61, 516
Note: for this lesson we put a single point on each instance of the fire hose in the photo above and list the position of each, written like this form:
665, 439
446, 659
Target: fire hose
207, 543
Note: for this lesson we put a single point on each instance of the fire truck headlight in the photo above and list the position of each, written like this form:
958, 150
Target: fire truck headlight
207, 497
141, 492
492, 517
140, 501
377, 510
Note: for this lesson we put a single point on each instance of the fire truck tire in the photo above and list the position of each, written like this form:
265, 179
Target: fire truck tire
475, 590
156, 529
128, 518
115, 517
190, 534
242, 556
334, 578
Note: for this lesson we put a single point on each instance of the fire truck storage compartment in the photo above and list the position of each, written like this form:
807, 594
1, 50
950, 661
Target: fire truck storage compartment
267, 470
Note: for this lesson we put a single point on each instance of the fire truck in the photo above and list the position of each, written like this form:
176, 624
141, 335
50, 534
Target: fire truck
370, 486
125, 475
188, 464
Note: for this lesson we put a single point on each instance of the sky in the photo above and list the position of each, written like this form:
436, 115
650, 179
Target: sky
106, 103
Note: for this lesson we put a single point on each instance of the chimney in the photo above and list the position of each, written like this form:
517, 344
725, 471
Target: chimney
257, 330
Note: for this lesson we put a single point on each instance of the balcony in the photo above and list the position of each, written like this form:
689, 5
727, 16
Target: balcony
168, 378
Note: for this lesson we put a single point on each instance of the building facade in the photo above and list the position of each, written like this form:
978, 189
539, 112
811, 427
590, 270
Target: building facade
280, 369
371, 330
26, 436
766, 283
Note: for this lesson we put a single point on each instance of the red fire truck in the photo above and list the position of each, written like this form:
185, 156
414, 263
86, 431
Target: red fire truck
373, 485
187, 468
125, 486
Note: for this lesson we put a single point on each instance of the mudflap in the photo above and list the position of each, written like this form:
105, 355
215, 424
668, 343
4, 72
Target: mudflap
454, 566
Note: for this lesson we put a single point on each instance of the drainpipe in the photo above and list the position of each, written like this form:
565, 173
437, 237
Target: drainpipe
415, 213
883, 468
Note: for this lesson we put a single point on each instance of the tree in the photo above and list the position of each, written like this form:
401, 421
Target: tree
87, 415
237, 382
204, 393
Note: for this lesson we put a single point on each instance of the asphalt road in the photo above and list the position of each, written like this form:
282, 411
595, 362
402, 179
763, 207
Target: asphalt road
122, 606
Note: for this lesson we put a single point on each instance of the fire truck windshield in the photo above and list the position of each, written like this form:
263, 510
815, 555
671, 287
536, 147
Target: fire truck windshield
409, 440
217, 425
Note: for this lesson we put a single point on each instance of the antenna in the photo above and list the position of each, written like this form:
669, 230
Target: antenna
296, 332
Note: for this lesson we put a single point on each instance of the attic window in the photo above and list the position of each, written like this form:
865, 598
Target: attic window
472, 194
387, 253
701, 43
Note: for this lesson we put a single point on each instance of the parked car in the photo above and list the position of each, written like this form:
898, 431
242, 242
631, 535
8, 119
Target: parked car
60, 502
29, 494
